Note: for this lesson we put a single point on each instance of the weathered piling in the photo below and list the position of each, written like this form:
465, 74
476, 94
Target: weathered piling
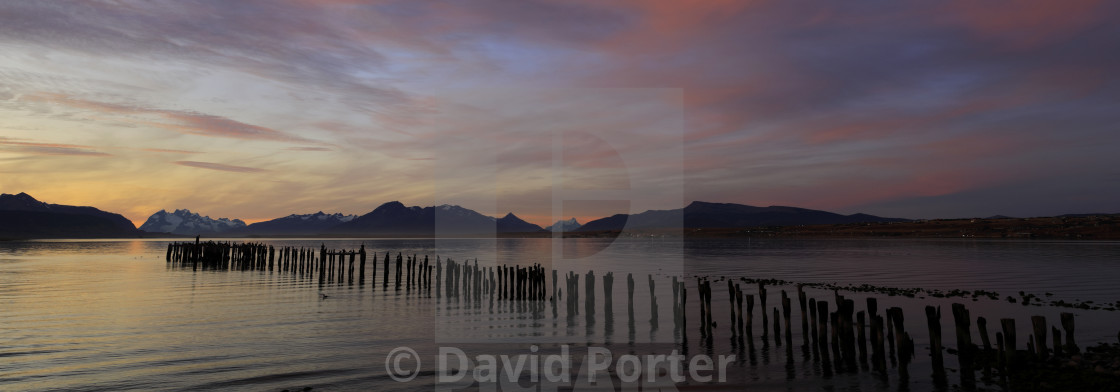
933, 321
1068, 325
608, 296
801, 301
385, 273
982, 326
739, 307
1039, 324
902, 340
1057, 341
813, 327
762, 303
703, 308
834, 335
822, 335
777, 329
362, 265
750, 317
1008, 325
847, 333
652, 305
630, 303
731, 304
861, 337
684, 315
786, 311
399, 272
589, 299
878, 351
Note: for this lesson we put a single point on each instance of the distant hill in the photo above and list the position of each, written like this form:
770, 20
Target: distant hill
564, 225
393, 218
512, 224
720, 215
22, 216
185, 222
305, 224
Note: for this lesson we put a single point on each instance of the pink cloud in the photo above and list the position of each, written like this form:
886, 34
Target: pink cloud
48, 148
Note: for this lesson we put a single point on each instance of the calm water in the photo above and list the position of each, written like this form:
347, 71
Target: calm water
112, 315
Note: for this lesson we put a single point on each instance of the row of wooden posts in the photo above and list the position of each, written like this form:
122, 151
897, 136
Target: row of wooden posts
827, 334
888, 336
410, 272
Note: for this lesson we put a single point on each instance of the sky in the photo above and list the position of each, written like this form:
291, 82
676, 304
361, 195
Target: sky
549, 109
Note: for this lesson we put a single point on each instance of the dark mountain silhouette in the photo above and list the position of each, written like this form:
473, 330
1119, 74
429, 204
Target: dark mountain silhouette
22, 216
512, 224
394, 218
713, 215
305, 224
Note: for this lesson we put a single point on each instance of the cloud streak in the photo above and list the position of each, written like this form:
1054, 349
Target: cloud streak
220, 167
185, 122
49, 148
830, 105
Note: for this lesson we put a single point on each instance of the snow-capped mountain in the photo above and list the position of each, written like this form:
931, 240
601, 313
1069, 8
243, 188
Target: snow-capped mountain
305, 224
564, 225
185, 222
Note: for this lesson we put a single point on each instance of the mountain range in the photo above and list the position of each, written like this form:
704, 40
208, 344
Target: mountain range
394, 218
701, 215
21, 216
185, 222
298, 224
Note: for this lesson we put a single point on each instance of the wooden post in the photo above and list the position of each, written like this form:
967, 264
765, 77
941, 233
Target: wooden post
965, 349
653, 305
762, 302
385, 278
1057, 341
739, 312
750, 315
902, 340
822, 331
777, 329
1008, 325
786, 310
982, 325
848, 339
813, 326
933, 321
608, 296
731, 304
1039, 324
878, 354
801, 301
861, 338
630, 302
1067, 324
684, 314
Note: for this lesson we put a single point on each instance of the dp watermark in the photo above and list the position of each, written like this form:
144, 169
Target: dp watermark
585, 368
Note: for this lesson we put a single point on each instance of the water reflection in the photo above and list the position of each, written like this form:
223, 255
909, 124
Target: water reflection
111, 314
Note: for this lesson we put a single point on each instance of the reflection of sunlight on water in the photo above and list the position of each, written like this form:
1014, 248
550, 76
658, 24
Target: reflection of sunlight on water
111, 315
137, 248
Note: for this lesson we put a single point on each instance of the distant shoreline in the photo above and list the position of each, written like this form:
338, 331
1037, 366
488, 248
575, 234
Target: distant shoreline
1097, 227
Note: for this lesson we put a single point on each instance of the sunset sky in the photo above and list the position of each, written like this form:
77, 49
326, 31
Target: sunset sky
258, 109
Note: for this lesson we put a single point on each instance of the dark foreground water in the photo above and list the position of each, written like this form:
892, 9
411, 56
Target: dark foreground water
113, 315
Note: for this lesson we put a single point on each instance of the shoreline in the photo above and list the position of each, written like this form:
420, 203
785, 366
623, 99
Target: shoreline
1087, 228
